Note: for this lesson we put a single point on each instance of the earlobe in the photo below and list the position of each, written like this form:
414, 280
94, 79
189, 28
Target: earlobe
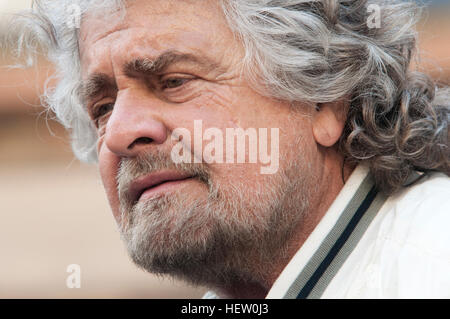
328, 123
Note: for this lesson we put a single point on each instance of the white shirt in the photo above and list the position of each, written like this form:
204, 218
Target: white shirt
371, 246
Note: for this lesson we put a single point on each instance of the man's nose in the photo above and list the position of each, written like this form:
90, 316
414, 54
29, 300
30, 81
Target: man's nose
134, 125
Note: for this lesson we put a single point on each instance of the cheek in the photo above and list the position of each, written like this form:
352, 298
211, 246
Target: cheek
108, 165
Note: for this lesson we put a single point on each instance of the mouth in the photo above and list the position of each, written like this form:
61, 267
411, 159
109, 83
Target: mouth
156, 184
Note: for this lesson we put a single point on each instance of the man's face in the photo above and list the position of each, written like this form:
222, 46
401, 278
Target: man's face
164, 66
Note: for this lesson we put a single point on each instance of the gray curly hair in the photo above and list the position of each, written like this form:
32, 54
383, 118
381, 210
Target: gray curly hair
298, 50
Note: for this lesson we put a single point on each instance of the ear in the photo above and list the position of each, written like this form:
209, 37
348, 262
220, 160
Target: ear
329, 121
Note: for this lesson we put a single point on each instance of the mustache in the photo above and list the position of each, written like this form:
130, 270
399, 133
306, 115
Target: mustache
150, 162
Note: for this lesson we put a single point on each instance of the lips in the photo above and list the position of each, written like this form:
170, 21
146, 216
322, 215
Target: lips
153, 181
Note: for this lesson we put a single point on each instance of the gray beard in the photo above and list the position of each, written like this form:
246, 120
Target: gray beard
230, 236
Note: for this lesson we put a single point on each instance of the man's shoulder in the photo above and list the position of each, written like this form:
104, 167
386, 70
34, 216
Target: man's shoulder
430, 192
414, 240
405, 253
420, 213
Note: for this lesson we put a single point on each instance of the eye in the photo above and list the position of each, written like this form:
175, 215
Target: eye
100, 111
173, 83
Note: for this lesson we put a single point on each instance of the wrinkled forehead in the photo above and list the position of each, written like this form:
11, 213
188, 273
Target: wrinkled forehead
150, 28
154, 24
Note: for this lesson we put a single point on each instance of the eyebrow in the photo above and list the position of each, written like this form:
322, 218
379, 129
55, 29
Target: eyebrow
98, 83
148, 67
95, 85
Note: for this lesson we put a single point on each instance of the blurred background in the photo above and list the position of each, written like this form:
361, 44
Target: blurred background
53, 209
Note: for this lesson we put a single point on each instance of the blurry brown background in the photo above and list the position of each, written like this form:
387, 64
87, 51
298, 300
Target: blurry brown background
53, 209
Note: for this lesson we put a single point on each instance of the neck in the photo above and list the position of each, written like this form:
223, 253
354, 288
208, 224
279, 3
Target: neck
331, 178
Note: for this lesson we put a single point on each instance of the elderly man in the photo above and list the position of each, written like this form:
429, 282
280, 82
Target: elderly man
357, 202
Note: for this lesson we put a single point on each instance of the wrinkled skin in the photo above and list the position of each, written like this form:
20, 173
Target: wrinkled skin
210, 89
